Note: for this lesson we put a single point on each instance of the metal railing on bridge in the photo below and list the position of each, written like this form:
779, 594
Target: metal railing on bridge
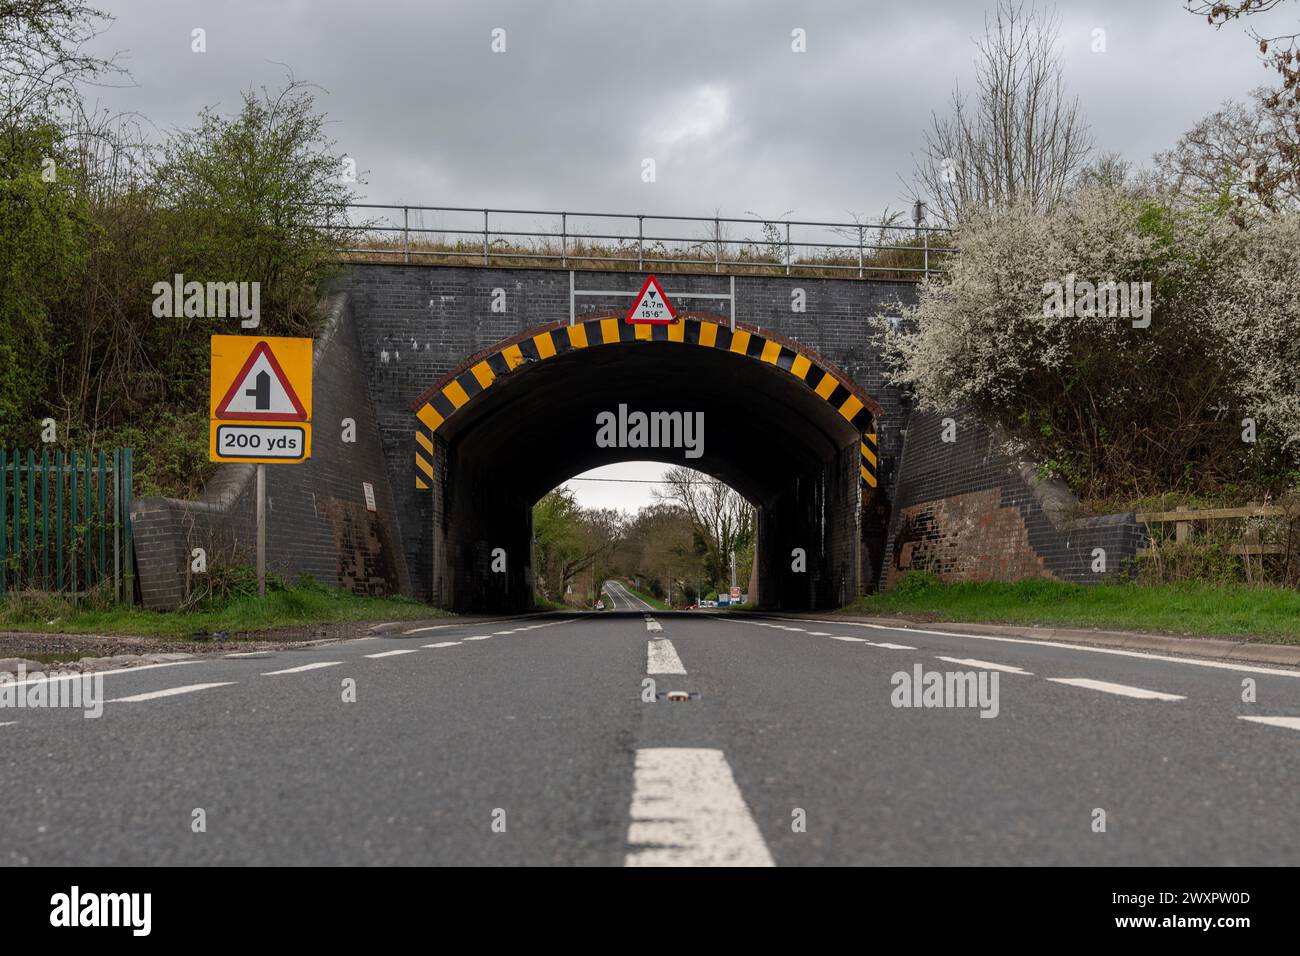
462, 235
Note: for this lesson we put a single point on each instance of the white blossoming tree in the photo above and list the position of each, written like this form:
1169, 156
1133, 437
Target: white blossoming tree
1148, 400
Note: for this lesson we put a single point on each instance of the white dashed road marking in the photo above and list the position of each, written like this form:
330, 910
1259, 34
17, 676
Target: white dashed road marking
405, 650
442, 644
1292, 723
479, 637
305, 667
852, 640
169, 692
653, 626
892, 647
661, 658
1123, 690
986, 665
688, 811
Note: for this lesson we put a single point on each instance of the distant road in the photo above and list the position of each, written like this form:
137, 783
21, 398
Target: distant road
623, 599
530, 740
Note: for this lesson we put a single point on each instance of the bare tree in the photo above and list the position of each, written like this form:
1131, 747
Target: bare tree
43, 57
723, 519
1020, 138
1236, 153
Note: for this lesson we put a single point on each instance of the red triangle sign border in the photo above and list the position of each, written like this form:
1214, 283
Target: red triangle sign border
650, 280
222, 410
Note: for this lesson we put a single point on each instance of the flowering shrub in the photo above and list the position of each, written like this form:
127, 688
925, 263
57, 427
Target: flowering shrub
1110, 400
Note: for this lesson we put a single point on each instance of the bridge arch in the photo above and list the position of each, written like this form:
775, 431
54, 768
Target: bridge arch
783, 426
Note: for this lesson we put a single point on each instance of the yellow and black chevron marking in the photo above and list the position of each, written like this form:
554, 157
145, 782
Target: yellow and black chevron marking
454, 394
870, 461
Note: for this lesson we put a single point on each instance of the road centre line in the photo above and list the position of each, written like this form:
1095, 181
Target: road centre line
1122, 690
303, 668
661, 658
169, 692
1292, 723
688, 811
404, 650
986, 665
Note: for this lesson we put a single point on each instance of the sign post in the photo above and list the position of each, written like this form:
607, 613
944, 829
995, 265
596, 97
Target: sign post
260, 411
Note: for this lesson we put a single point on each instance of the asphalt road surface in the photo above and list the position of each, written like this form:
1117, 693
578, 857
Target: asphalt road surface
621, 599
535, 740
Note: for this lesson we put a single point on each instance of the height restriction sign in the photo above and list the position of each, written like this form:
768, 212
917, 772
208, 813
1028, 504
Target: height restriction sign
261, 399
651, 306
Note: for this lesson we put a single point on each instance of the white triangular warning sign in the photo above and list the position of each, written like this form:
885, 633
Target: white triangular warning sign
651, 305
261, 391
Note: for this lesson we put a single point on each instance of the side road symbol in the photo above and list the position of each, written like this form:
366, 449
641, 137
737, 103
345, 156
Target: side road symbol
261, 391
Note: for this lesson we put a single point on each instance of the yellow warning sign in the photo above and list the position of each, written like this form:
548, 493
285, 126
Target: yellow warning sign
260, 406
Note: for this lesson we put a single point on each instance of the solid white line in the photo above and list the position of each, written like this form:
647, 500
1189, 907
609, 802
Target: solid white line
688, 811
1194, 661
1123, 690
434, 627
77, 675
305, 667
442, 644
1292, 723
169, 692
661, 658
250, 654
986, 665
405, 650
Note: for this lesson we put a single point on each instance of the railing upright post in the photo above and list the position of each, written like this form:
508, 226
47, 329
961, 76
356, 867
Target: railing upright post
58, 519
564, 238
859, 252
31, 518
640, 242
406, 234
128, 565
485, 237
787, 249
117, 525
717, 244
45, 519
88, 556
4, 500
927, 254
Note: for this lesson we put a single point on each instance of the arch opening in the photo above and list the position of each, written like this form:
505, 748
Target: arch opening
785, 430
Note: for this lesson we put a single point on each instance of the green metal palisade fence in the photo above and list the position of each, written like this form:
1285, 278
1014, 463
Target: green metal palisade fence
82, 543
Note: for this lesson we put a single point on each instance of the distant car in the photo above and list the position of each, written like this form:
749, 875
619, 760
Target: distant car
692, 607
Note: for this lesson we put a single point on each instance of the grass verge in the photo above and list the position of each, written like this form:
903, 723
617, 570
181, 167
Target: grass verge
1266, 614
285, 608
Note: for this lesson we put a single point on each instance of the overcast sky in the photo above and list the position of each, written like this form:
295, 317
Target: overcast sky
710, 89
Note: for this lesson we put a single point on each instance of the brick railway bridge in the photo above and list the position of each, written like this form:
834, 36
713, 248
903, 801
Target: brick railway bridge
475, 389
